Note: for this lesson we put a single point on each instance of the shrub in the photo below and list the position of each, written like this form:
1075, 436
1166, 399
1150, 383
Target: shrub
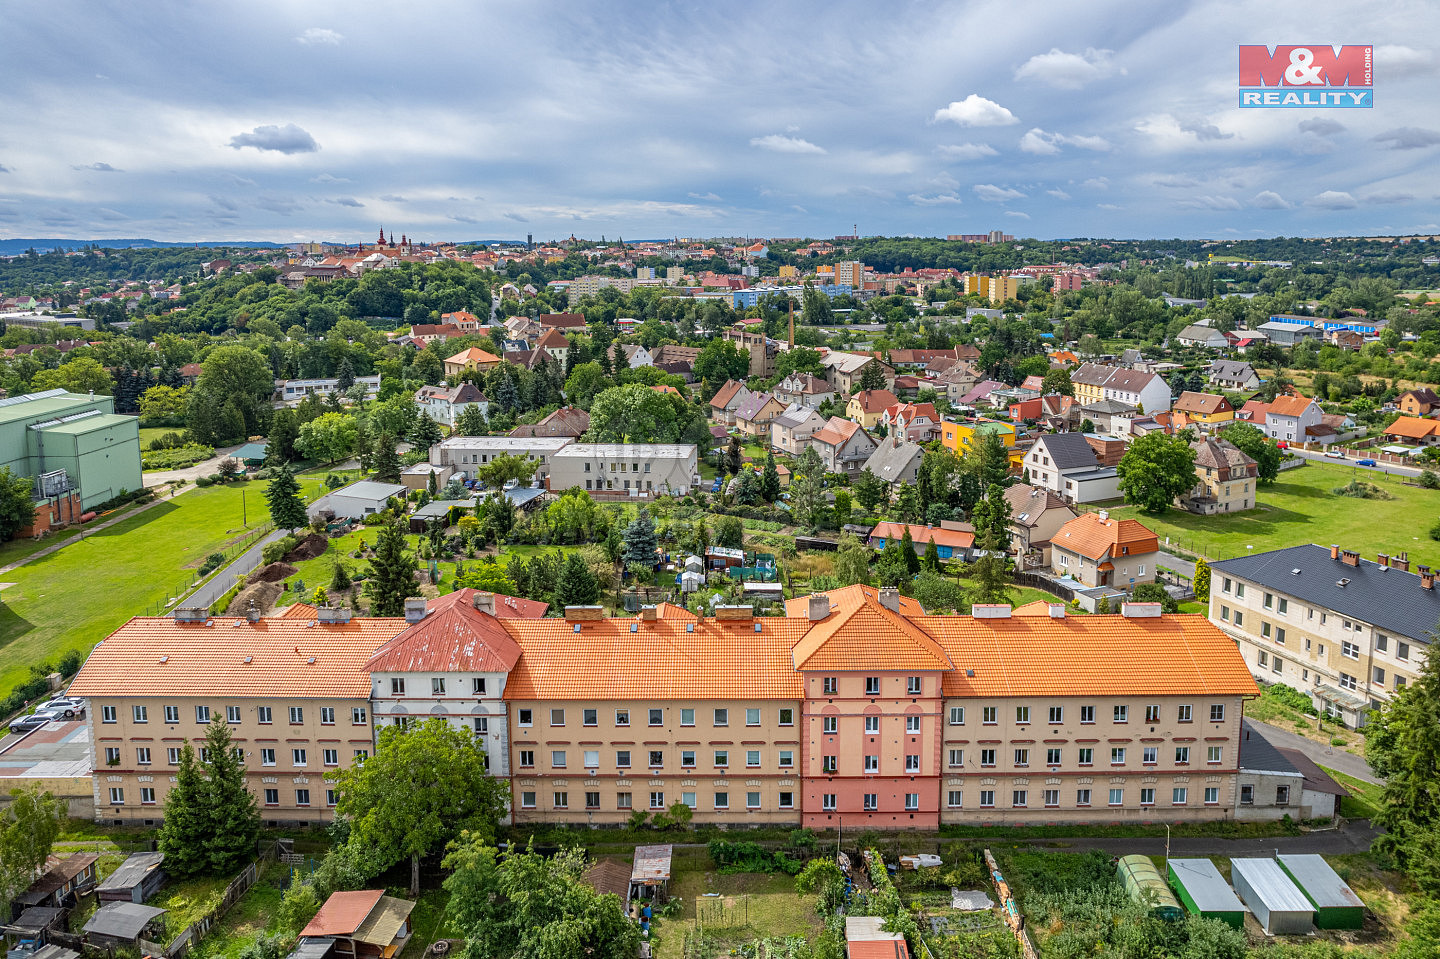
71, 662
212, 562
1435, 530
1430, 479
228, 468
274, 552
1361, 490
1289, 698
203, 482
177, 457
1336, 741
377, 519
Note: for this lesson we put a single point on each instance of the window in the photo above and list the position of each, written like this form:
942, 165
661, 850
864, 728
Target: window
297, 757
1278, 664
1239, 617
990, 715
787, 759
360, 755
561, 800
142, 755
1183, 714
1379, 677
829, 685
358, 716
202, 714
787, 717
912, 724
437, 685
527, 800
722, 800
1225, 613
657, 758
1052, 797
752, 717
752, 800
957, 715
722, 757
1349, 650
752, 758
722, 717
527, 757
139, 714
657, 800
957, 757
827, 764
302, 797
272, 797
1284, 606
1022, 757
1226, 587
1150, 755
1347, 681
1082, 797
657, 717
912, 763
1240, 590
687, 758
1402, 651
238, 752
987, 757
297, 715
827, 802
592, 800
912, 686
1147, 796
172, 755
1178, 796
1052, 757
327, 716
1057, 715
590, 717
557, 717
1022, 714
1399, 682
1269, 601
204, 754
1217, 712
526, 717
1086, 755
1019, 798
871, 802
872, 764
172, 714
397, 687
1152, 714
912, 801
267, 757
1182, 755
1122, 714
477, 686
330, 797
332, 757
622, 758
1280, 635
872, 685
592, 758
829, 724
1087, 714
1117, 797
147, 796
872, 725
622, 717
987, 798
1117, 755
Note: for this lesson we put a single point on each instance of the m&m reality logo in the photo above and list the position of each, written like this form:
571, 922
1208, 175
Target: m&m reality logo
1312, 75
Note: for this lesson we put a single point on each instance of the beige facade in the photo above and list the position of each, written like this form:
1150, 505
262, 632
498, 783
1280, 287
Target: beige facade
290, 743
635, 468
736, 761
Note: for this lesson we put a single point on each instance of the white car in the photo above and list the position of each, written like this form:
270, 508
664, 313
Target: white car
63, 706
1335, 454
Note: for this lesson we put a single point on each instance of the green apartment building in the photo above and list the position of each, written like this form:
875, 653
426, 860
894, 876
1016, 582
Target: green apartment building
70, 445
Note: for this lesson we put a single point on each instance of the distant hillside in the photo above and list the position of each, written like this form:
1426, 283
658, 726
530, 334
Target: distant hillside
12, 247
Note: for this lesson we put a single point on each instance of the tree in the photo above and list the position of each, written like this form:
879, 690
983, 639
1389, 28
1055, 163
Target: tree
729, 532
1201, 582
734, 454
535, 906
426, 785
770, 480
392, 573
489, 577
636, 413
470, 422
17, 506
585, 382
1087, 425
164, 402
992, 584
992, 514
344, 375
1404, 748
284, 433
1155, 593
185, 829
746, 488
233, 378
287, 509
340, 580
938, 594
577, 585
1256, 445
638, 551
504, 467
869, 490
907, 547
29, 826
328, 437
232, 815
806, 488
386, 460
426, 433
81, 375
990, 461
891, 569
872, 377
721, 360
931, 561
1155, 469
1057, 381
501, 514
852, 561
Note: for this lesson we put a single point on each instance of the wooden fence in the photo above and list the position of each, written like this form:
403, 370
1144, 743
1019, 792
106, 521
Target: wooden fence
193, 933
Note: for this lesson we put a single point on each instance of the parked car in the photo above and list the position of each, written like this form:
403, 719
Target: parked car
25, 724
1335, 454
511, 484
66, 707
1364, 462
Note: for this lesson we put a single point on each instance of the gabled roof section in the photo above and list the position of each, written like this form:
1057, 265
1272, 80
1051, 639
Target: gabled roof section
725, 394
1204, 404
875, 401
1094, 538
456, 637
1290, 405
860, 633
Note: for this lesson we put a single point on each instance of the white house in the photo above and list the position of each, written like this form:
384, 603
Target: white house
1066, 464
446, 403
1287, 418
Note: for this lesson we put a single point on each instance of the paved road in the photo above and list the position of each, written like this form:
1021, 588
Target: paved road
1182, 566
190, 473
1391, 468
1322, 754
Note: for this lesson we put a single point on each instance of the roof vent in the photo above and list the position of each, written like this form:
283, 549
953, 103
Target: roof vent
1342, 583
1141, 610
990, 611
634, 627
970, 674
414, 609
1057, 610
165, 659
734, 612
1295, 571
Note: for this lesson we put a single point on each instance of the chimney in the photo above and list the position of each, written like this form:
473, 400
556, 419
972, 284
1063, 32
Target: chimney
1401, 562
890, 598
649, 613
1104, 515
1383, 559
1427, 577
484, 602
1349, 557
1057, 610
577, 614
333, 616
819, 606
252, 614
1141, 610
990, 610
1334, 550
734, 613
414, 609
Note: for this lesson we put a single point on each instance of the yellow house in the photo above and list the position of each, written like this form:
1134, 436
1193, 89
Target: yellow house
1205, 409
1002, 288
868, 406
974, 283
961, 436
472, 359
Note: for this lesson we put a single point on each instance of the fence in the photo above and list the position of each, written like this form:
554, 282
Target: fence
196, 931
231, 553
1045, 584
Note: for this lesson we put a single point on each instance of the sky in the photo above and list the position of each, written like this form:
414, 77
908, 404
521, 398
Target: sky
454, 121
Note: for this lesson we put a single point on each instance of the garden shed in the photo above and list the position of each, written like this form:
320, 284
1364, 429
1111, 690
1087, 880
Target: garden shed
1145, 885
1205, 892
865, 938
120, 924
1336, 905
136, 879
650, 875
438, 510
1279, 907
359, 500
59, 883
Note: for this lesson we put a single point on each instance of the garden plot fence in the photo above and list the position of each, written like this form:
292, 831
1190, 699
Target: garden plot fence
193, 933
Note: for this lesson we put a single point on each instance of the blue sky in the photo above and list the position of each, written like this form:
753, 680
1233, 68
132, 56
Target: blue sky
288, 121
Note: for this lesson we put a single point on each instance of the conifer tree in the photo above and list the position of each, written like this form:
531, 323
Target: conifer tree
287, 509
232, 814
392, 573
186, 828
387, 461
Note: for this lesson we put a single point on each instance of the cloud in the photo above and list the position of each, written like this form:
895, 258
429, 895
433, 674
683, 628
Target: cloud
105, 213
462, 218
1332, 200
1321, 126
288, 139
976, 111
327, 178
1269, 200
966, 151
320, 36
4, 168
1058, 194
392, 198
347, 201
1211, 203
224, 202
1387, 198
1407, 138
1106, 206
97, 168
1175, 181
1399, 61
283, 205
1097, 183
1023, 216
1067, 71
238, 180
938, 199
1203, 130
704, 196
516, 217
778, 143
991, 193
1039, 142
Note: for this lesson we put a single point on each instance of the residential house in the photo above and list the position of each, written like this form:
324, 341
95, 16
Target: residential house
1202, 336
635, 470
917, 422
293, 391
473, 358
1414, 432
1094, 382
190, 373
463, 320
554, 343
1288, 417
1096, 550
896, 461
427, 333
676, 360
844, 370
984, 393
726, 400
562, 321
1348, 632
949, 543
1345, 339
755, 414
1418, 402
958, 436
804, 388
1050, 408
1067, 465
1233, 375
1035, 516
957, 381
446, 403
867, 407
1226, 479
790, 432
844, 446
566, 421
630, 356
1207, 411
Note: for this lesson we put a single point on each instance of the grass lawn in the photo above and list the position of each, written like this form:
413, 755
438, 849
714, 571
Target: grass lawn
735, 908
187, 901
74, 597
256, 912
1269, 709
1299, 508
1365, 799
150, 433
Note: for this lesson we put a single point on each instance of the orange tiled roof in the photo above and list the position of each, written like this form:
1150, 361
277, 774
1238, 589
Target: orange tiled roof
473, 355
860, 633
725, 394
163, 656
1094, 538
876, 401
954, 538
1205, 404
343, 913
454, 636
1410, 427
1289, 405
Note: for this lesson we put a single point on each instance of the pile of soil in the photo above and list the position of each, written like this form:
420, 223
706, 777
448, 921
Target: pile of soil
273, 573
310, 547
262, 594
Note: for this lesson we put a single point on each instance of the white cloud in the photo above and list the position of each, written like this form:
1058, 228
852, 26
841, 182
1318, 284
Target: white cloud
1058, 194
976, 111
966, 151
991, 193
1408, 138
776, 143
349, 201
1106, 206
327, 178
1039, 142
1067, 71
1320, 126
1097, 183
288, 139
937, 199
1017, 213
1269, 200
1393, 60
1332, 200
97, 168
320, 36
1211, 203
704, 196
1171, 132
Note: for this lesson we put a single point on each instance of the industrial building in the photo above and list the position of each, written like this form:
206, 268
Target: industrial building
77, 449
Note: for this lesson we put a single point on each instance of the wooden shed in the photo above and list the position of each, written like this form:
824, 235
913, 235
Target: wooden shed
136, 879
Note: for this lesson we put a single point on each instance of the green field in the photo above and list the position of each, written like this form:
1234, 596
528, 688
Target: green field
1299, 508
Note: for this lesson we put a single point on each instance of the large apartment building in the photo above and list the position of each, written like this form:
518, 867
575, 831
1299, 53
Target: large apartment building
1346, 631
